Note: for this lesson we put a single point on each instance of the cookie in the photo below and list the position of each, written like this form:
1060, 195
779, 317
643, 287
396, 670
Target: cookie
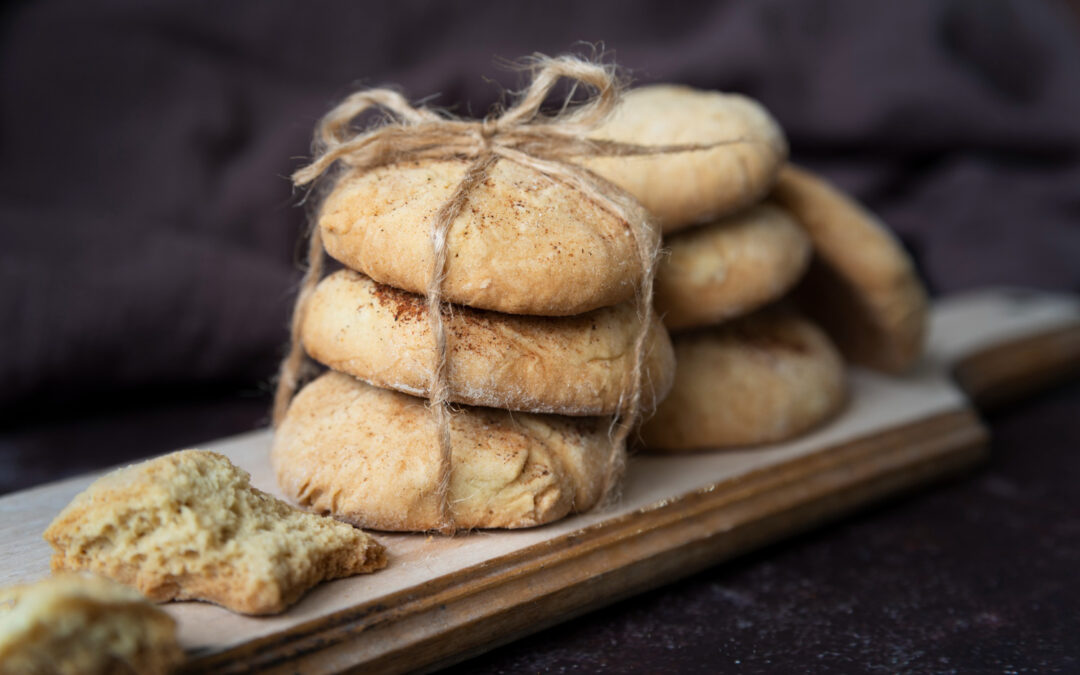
523, 244
84, 625
189, 526
763, 378
574, 365
862, 286
370, 456
730, 267
688, 188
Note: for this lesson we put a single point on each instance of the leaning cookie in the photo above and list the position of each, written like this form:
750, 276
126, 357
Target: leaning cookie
687, 188
730, 268
574, 365
189, 526
862, 286
370, 456
84, 624
759, 379
524, 243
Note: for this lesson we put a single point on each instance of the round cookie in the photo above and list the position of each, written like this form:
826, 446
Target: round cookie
862, 286
730, 268
573, 365
688, 188
759, 379
370, 456
523, 243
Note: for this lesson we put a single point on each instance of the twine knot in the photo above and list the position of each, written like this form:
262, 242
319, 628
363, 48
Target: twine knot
548, 145
489, 127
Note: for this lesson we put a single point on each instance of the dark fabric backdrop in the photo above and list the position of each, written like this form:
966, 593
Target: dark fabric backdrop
148, 233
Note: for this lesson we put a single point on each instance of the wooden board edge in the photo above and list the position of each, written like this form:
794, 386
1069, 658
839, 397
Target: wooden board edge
1000, 374
478, 608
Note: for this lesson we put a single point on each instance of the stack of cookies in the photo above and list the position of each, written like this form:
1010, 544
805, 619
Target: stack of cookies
541, 326
755, 246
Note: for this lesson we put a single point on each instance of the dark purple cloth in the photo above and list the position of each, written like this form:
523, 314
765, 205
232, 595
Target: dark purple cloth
148, 231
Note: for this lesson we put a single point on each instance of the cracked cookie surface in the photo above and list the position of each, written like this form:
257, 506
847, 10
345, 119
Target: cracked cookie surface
759, 379
730, 268
689, 188
574, 365
189, 526
524, 243
77, 624
370, 456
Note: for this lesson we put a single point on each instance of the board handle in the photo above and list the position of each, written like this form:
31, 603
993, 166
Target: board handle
1003, 344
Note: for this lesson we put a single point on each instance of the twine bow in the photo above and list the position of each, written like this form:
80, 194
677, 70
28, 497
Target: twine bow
521, 134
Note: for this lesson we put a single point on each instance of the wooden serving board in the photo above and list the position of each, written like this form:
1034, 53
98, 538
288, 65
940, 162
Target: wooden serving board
443, 599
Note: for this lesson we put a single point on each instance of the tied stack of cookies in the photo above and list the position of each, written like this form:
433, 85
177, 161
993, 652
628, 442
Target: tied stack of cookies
483, 272
771, 278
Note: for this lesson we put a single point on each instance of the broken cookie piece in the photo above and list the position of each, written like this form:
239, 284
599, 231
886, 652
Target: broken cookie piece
189, 526
85, 625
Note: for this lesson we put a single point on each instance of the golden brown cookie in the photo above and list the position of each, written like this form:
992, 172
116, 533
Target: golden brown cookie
370, 456
730, 268
573, 365
189, 526
523, 244
688, 188
763, 378
76, 624
862, 286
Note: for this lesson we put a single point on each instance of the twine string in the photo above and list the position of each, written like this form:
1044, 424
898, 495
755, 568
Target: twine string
521, 134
